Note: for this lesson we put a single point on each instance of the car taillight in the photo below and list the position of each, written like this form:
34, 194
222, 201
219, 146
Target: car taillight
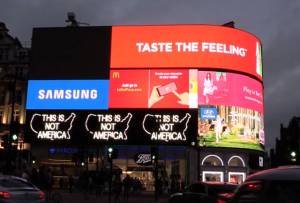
5, 195
226, 194
41, 195
254, 186
221, 201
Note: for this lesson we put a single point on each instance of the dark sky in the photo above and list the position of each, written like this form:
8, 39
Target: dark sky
275, 22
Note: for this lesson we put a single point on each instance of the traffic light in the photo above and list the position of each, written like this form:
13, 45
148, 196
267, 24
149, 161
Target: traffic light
293, 155
154, 154
33, 160
14, 132
14, 138
112, 153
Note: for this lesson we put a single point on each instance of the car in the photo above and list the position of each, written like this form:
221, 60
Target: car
15, 189
275, 185
205, 192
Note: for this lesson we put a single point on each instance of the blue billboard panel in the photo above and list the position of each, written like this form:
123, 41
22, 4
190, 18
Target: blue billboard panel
209, 113
67, 94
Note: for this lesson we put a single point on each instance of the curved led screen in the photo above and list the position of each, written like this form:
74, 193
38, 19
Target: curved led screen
230, 126
186, 46
152, 89
230, 111
223, 88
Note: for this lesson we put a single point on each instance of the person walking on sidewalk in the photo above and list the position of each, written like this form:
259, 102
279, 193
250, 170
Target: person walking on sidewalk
127, 185
71, 183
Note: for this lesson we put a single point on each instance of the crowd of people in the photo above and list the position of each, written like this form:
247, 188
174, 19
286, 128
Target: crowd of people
97, 183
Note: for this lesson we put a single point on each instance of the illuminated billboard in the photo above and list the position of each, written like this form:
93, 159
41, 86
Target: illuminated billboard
230, 110
231, 89
152, 89
233, 126
119, 126
186, 46
67, 94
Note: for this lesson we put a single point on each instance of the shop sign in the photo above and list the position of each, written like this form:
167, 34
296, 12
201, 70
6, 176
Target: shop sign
143, 159
63, 150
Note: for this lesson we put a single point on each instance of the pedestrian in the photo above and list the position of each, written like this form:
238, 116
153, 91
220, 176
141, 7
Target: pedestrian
117, 188
61, 183
49, 184
71, 183
127, 185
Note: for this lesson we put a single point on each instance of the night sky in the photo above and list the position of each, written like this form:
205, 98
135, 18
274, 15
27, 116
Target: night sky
275, 22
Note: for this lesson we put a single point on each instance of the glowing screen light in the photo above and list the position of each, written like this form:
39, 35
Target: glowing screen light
185, 46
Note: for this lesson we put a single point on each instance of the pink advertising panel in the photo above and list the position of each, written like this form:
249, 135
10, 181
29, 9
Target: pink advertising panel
222, 88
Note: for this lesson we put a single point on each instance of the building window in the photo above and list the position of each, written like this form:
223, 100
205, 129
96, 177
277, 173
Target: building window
236, 161
212, 160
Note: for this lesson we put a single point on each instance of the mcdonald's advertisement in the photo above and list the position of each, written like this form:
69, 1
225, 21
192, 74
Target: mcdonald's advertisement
150, 89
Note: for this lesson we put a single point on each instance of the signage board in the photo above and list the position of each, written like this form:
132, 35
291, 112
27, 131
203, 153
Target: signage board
151, 89
208, 113
143, 159
231, 89
233, 127
130, 127
67, 94
186, 46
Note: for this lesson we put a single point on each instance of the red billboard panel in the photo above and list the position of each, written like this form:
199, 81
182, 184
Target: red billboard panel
128, 89
186, 46
230, 89
149, 89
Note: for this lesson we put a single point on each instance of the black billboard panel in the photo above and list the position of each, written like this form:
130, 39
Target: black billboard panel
128, 127
70, 53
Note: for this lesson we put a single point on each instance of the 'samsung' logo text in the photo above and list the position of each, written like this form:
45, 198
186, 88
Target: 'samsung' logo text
67, 94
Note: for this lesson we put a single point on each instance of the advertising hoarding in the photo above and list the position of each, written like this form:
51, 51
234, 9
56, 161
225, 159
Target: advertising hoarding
231, 89
67, 53
185, 46
67, 94
151, 89
234, 127
141, 127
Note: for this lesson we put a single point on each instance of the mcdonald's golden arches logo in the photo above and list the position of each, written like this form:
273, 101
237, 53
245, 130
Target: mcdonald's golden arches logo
116, 74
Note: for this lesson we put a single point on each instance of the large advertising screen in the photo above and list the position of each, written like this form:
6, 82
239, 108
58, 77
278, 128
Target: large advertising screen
230, 111
186, 46
67, 53
67, 94
230, 89
230, 126
139, 127
152, 89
